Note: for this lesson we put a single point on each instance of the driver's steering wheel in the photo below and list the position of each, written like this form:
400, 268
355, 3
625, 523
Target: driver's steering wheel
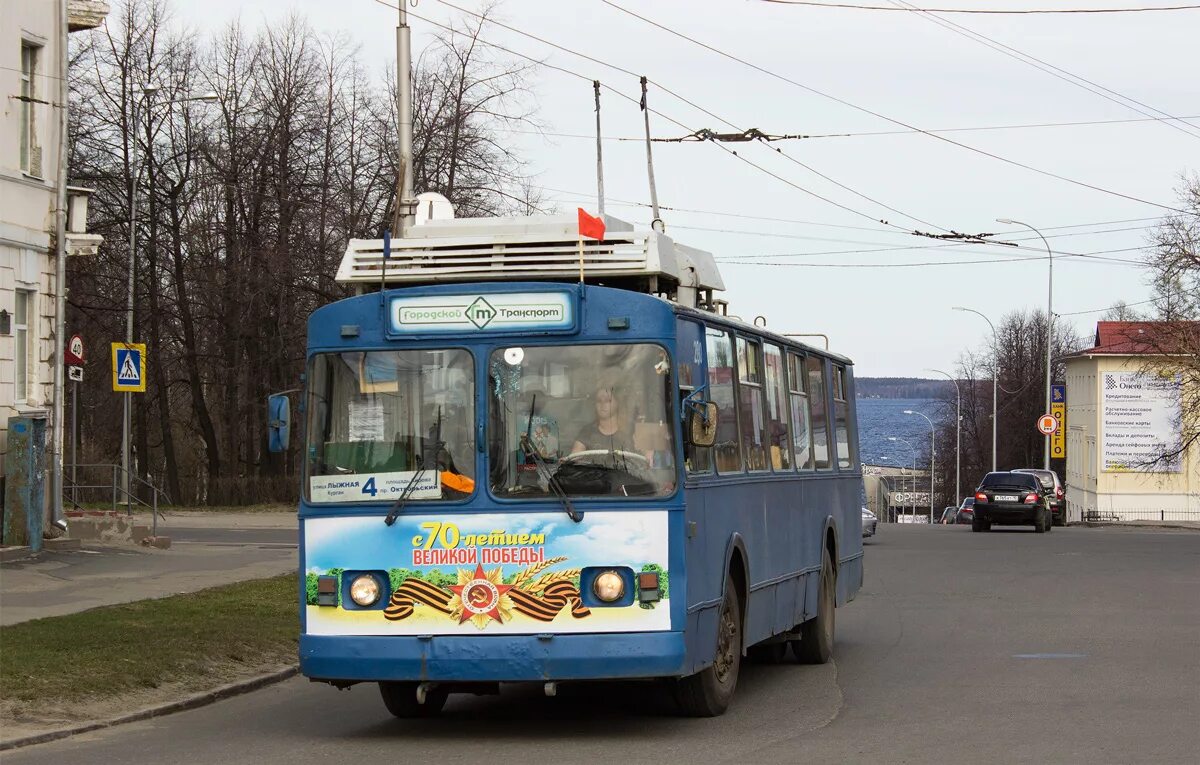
640, 460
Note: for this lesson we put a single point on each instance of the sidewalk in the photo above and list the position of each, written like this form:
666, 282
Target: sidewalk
1188, 525
64, 581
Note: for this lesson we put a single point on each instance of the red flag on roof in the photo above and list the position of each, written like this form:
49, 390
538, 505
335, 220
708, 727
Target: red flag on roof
589, 226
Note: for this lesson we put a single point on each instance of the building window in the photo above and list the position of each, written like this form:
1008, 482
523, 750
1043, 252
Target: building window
21, 315
31, 153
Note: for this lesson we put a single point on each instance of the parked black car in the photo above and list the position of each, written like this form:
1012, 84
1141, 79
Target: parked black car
1011, 499
1053, 489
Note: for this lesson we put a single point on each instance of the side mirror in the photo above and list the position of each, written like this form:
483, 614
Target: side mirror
279, 423
701, 425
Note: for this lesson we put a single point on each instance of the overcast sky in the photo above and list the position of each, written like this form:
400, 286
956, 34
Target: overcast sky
891, 321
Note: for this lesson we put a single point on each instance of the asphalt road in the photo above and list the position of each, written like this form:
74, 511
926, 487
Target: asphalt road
1076, 646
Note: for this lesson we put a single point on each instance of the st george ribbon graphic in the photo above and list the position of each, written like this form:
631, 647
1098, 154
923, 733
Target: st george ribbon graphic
482, 597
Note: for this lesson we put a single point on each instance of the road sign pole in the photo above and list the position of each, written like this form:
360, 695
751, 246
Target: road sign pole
74, 442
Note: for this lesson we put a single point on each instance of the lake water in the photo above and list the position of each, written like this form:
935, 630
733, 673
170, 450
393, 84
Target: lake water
879, 418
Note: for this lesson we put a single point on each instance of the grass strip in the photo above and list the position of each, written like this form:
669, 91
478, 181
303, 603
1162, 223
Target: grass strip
196, 640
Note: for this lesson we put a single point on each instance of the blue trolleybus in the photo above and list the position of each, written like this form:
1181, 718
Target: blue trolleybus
526, 460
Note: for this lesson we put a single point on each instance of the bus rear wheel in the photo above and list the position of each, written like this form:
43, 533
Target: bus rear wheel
709, 692
401, 700
816, 635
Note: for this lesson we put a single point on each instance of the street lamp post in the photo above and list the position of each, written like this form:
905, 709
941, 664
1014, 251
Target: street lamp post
932, 458
1049, 327
914, 464
135, 172
995, 376
957, 438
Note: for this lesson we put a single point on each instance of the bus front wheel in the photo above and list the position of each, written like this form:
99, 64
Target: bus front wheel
816, 635
709, 692
401, 700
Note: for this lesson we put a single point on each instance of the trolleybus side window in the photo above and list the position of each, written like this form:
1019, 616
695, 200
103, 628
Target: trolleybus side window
816, 400
721, 371
690, 371
801, 419
841, 417
778, 439
750, 404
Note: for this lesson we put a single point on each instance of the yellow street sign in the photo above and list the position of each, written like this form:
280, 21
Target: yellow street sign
129, 367
1058, 439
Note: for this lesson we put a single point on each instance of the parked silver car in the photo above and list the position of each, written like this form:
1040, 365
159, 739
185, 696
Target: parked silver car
869, 522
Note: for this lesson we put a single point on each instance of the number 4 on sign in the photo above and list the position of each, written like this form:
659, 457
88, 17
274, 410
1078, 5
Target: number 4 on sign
369, 487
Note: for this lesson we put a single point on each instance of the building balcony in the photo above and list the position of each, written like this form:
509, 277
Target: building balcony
85, 14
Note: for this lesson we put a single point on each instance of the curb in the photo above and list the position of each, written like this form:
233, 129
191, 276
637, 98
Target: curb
1138, 525
9, 554
191, 702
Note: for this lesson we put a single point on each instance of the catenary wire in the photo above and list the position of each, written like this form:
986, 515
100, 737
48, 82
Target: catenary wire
485, 19
871, 133
892, 120
1054, 71
992, 11
1108, 308
734, 154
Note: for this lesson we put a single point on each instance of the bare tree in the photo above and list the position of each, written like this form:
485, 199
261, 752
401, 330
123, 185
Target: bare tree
244, 210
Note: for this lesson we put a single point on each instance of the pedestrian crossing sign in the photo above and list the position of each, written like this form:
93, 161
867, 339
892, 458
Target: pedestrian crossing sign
129, 367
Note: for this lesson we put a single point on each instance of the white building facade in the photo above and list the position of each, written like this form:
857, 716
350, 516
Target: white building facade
1121, 413
31, 40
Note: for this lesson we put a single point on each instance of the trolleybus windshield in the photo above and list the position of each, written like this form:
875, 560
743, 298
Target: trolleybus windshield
388, 423
597, 418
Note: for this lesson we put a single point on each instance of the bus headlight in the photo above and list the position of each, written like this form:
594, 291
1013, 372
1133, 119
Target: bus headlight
364, 590
609, 586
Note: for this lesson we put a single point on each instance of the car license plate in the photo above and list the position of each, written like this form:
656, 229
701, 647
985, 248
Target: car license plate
1006, 498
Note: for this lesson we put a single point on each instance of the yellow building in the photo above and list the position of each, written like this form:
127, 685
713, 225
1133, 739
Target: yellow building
1121, 415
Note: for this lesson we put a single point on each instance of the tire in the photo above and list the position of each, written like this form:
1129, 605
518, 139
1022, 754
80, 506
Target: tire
401, 700
978, 525
1061, 520
709, 692
817, 634
768, 653
1041, 525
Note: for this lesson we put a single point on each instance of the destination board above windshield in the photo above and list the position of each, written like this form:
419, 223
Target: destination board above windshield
468, 313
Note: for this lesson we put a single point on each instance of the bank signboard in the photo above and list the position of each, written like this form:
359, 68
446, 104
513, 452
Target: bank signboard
1140, 418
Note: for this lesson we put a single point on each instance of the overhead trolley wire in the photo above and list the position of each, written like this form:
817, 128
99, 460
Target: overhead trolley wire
892, 120
992, 11
860, 134
1054, 71
636, 101
703, 134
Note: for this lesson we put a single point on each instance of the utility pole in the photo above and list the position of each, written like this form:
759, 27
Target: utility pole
60, 274
404, 216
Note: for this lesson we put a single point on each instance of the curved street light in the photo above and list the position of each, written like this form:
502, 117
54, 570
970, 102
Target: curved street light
1049, 328
932, 459
995, 375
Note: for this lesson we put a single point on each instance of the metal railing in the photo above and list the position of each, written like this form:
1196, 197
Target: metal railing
122, 488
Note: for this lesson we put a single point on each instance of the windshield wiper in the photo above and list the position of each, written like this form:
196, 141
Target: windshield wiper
398, 505
551, 480
543, 469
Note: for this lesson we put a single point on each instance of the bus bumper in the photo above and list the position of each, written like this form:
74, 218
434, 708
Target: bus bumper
503, 658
